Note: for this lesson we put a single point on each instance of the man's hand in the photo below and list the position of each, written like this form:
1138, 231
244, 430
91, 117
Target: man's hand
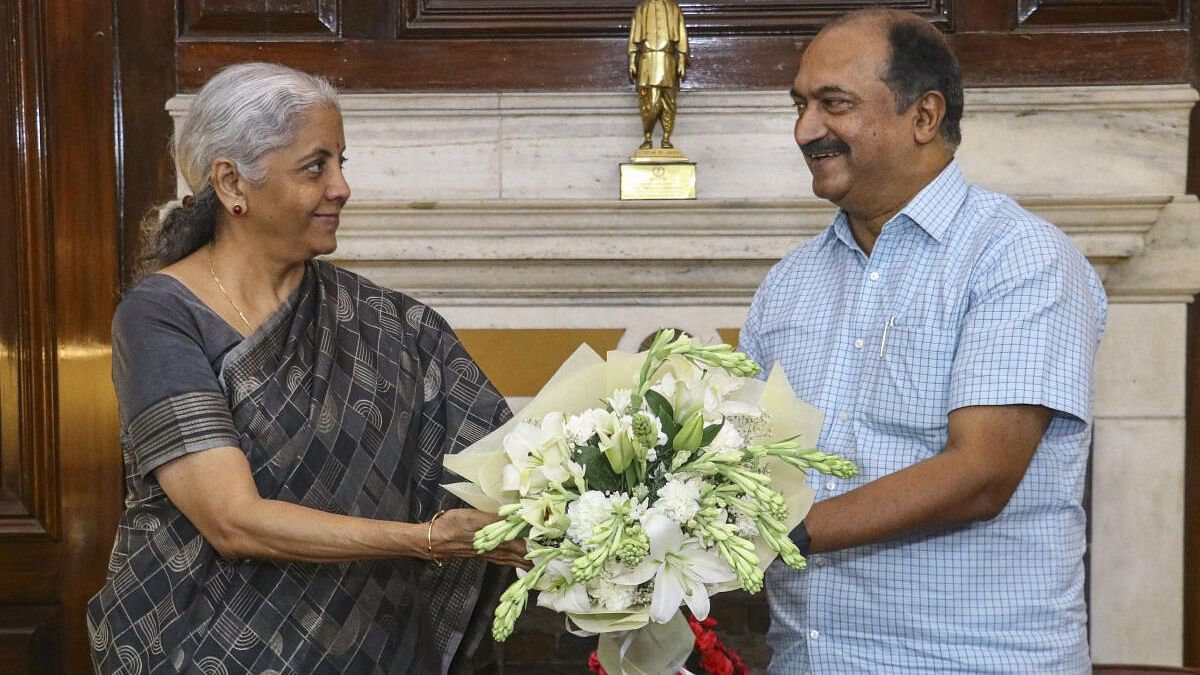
633, 66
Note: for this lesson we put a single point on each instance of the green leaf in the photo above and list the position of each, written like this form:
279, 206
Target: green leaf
710, 432
598, 471
661, 408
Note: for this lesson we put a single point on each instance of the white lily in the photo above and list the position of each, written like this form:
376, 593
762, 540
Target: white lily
546, 515
680, 568
556, 589
536, 455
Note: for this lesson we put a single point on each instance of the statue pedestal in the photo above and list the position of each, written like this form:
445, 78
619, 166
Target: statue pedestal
658, 173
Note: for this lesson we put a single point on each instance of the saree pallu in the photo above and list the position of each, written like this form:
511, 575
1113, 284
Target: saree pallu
344, 400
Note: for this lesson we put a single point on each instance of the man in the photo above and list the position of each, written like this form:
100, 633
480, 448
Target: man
948, 335
658, 54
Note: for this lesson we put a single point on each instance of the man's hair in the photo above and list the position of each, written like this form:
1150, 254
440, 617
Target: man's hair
921, 61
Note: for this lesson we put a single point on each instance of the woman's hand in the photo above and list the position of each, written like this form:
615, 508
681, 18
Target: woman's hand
453, 533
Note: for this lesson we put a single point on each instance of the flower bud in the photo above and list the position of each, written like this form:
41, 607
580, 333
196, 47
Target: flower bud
690, 434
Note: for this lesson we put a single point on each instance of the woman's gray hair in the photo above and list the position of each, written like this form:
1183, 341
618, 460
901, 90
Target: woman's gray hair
243, 113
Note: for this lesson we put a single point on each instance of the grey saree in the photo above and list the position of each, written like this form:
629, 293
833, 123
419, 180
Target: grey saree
344, 400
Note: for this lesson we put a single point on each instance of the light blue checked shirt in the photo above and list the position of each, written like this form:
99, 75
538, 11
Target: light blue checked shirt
983, 304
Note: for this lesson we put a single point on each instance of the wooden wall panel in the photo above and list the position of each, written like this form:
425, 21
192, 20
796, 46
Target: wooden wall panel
486, 18
61, 489
28, 473
1098, 12
28, 636
81, 159
310, 19
146, 49
579, 45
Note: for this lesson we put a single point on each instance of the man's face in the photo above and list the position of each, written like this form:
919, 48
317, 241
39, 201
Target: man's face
847, 126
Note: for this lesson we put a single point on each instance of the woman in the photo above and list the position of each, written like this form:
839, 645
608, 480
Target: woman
284, 423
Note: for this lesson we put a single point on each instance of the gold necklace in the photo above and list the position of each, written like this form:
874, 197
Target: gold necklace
224, 292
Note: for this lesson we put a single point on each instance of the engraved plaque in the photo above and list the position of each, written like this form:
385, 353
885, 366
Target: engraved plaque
676, 180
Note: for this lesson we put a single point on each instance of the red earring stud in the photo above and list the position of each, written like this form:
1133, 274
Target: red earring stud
237, 209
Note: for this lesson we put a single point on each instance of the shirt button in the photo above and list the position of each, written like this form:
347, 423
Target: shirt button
814, 633
830, 486
818, 561
858, 344
844, 416
874, 276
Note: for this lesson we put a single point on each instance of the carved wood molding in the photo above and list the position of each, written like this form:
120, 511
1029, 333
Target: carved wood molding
309, 19
485, 18
28, 639
1059, 13
746, 62
28, 461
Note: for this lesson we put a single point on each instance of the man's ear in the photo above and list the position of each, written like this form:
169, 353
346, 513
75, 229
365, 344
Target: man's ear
227, 182
929, 110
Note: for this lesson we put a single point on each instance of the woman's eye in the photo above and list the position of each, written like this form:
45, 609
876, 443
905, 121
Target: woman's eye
315, 167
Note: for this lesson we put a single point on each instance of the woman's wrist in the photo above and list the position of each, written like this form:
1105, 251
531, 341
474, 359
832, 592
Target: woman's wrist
429, 550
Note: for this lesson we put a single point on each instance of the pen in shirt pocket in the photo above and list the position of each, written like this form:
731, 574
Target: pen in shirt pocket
890, 324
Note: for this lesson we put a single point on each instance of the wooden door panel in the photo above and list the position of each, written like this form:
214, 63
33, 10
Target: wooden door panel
28, 636
60, 466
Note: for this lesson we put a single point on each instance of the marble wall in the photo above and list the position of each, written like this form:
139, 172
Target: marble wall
501, 210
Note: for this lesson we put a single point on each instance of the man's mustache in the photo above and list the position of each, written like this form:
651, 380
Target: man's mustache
825, 146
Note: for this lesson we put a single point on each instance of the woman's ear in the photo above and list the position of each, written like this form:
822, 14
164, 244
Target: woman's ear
226, 182
930, 110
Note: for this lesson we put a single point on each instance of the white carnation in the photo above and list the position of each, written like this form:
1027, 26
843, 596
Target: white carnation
612, 596
679, 500
579, 428
591, 509
620, 400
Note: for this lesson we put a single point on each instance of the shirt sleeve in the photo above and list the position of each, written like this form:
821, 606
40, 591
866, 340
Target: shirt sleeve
170, 401
1032, 328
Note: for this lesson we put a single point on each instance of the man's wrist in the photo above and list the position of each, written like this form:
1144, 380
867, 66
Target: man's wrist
799, 537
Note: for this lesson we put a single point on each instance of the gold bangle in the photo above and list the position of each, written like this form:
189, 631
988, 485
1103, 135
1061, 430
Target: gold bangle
429, 538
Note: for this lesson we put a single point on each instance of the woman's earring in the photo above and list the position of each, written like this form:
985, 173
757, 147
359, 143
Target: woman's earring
237, 209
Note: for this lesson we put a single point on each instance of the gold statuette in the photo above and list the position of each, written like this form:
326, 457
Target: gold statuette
658, 58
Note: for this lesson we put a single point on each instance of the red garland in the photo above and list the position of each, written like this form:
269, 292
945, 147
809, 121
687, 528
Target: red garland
715, 657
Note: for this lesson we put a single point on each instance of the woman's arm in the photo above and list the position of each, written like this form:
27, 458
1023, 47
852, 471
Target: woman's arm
216, 491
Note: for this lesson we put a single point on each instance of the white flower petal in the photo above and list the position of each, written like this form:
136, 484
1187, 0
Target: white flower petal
668, 593
640, 575
706, 567
664, 534
510, 477
697, 600
555, 474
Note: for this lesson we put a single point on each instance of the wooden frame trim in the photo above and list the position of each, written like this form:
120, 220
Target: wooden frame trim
754, 62
34, 514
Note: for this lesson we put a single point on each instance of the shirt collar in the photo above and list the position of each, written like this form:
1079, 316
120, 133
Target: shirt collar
936, 205
933, 208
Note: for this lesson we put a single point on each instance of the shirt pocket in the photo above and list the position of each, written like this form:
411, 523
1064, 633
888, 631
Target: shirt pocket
908, 385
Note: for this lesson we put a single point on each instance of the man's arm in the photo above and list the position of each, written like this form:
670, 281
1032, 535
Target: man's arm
987, 452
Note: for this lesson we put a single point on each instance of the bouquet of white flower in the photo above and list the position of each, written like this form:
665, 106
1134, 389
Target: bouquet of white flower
683, 484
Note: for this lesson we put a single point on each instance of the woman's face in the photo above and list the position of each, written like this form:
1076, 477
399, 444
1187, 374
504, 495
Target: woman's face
295, 210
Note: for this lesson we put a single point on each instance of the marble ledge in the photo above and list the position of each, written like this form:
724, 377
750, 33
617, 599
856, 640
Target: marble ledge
1106, 229
495, 253
1178, 97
